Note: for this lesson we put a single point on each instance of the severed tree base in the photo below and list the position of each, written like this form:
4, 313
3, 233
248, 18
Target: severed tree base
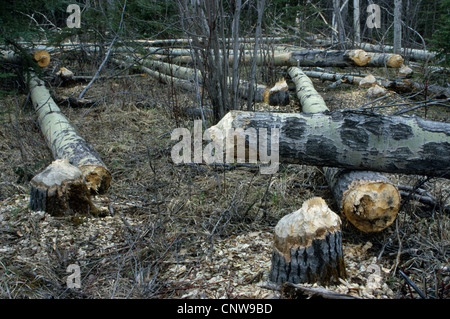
368, 200
60, 190
308, 246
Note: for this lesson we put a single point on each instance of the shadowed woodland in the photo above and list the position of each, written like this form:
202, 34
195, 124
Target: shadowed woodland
91, 95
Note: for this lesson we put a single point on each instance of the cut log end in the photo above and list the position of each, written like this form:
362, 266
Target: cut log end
360, 57
97, 178
60, 190
42, 58
308, 246
395, 61
64, 73
370, 206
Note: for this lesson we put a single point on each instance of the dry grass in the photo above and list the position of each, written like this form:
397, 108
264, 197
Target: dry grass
180, 231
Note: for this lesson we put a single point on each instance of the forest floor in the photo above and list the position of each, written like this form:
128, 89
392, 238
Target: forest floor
190, 231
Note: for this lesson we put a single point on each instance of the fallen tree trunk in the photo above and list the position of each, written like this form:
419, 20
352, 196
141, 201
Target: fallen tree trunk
350, 139
167, 79
310, 100
331, 58
64, 141
367, 199
397, 85
413, 54
272, 96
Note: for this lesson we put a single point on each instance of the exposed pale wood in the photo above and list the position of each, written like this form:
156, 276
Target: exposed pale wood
368, 200
42, 58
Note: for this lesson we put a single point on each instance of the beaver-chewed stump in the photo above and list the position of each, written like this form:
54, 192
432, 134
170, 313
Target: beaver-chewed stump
308, 246
61, 190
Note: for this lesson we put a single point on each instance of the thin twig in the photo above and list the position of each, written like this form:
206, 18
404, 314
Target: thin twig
107, 55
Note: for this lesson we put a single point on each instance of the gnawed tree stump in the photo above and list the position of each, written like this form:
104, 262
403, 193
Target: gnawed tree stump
61, 190
368, 200
308, 246
278, 94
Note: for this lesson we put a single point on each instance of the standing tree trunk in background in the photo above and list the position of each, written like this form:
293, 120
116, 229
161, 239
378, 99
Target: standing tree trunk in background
356, 22
398, 26
260, 8
235, 71
338, 23
203, 23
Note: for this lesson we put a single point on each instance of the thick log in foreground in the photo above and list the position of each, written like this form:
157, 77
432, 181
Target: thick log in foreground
349, 139
308, 246
60, 190
64, 141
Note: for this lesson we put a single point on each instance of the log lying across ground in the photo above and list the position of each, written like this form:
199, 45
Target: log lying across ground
349, 139
329, 58
397, 85
414, 54
185, 78
369, 200
64, 141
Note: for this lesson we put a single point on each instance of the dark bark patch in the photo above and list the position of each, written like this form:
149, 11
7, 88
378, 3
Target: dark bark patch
400, 131
294, 128
353, 136
320, 147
